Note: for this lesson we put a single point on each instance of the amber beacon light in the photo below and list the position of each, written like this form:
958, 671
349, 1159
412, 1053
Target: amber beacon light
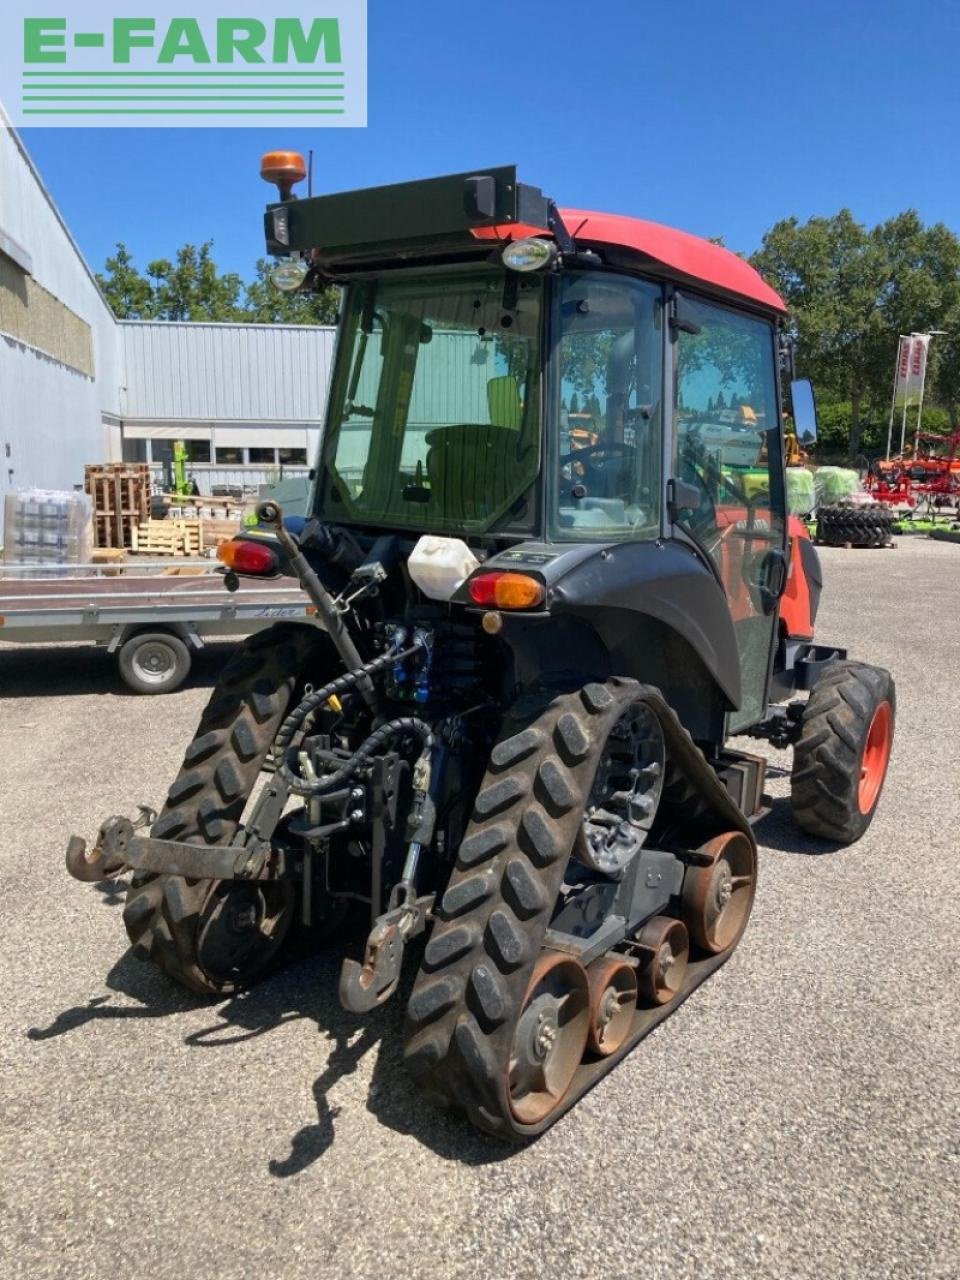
284, 169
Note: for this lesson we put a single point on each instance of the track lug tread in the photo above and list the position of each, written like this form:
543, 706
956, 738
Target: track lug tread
483, 844
572, 739
499, 795
541, 837
432, 999
508, 939
465, 895
555, 781
187, 785
202, 747
522, 889
448, 945
513, 750
206, 800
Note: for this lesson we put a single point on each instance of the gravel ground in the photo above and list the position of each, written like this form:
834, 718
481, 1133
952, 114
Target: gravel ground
797, 1117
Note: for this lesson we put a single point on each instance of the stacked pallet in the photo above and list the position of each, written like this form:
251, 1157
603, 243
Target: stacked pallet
167, 537
121, 500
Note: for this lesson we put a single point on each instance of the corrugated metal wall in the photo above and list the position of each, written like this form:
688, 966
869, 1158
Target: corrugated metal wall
226, 372
50, 414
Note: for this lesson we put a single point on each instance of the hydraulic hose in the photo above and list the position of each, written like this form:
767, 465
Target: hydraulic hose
369, 747
269, 513
310, 704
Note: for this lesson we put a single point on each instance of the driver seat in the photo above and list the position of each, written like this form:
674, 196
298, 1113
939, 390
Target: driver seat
473, 469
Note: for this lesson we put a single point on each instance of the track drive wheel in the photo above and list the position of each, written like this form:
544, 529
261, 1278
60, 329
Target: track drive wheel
840, 760
215, 936
718, 891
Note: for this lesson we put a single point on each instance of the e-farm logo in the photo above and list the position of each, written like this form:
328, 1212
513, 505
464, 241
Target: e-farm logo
94, 65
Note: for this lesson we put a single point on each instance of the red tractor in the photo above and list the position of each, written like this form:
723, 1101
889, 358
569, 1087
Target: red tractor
511, 726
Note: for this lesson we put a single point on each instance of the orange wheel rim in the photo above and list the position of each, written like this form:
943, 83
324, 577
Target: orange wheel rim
876, 755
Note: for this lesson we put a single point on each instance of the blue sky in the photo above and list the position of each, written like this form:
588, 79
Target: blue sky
715, 117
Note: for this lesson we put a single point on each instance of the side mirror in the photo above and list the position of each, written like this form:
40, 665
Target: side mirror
804, 411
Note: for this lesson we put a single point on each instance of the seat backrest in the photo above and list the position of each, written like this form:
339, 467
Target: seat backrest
472, 468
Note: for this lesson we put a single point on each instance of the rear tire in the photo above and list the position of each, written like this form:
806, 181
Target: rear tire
215, 936
850, 524
840, 760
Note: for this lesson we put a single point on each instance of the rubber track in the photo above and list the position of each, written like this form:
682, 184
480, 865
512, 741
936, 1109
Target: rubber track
497, 906
826, 760
206, 801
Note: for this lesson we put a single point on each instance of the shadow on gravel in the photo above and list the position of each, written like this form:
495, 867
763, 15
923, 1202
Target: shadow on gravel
307, 989
82, 670
157, 997
779, 831
310, 990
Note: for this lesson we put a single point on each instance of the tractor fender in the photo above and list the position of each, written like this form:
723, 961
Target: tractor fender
665, 581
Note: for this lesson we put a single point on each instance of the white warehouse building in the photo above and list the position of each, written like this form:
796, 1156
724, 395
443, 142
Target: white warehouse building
77, 386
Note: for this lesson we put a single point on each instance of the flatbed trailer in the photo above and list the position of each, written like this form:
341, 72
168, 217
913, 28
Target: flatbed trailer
151, 617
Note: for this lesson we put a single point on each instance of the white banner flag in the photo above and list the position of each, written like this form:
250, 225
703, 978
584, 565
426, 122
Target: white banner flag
912, 369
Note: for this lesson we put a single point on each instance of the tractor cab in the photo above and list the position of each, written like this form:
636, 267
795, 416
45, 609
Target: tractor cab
584, 390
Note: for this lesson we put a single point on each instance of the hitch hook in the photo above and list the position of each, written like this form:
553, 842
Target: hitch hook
363, 987
106, 859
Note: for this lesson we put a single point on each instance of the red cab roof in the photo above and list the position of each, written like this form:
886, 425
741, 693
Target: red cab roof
684, 255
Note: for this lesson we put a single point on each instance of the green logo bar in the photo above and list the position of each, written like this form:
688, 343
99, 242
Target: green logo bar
99, 61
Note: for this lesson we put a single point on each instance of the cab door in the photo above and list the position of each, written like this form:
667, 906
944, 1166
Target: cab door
728, 461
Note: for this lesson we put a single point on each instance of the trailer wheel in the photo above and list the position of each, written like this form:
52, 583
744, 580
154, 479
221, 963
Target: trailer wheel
840, 760
154, 662
215, 936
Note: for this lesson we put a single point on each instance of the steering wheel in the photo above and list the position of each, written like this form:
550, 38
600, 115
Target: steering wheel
614, 450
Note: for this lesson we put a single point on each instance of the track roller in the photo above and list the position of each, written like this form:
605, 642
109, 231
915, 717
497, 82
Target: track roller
718, 891
664, 967
613, 1000
551, 1036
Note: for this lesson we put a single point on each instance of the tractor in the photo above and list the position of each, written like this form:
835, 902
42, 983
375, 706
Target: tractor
515, 724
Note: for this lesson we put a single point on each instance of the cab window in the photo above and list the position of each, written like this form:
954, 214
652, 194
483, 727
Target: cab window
610, 357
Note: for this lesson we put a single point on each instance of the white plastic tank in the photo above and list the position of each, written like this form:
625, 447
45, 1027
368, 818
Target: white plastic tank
439, 565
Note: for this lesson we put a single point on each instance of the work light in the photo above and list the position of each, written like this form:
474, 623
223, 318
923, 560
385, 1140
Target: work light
532, 254
289, 274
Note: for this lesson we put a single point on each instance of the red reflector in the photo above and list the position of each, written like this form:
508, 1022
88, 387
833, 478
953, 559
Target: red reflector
244, 556
506, 591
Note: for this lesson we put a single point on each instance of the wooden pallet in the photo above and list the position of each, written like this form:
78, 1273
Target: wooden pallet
121, 500
167, 538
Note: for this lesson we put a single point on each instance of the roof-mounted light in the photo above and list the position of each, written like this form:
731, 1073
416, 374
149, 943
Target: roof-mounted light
531, 254
289, 274
284, 169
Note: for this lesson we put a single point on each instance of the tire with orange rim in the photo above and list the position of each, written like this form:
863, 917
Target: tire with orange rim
840, 760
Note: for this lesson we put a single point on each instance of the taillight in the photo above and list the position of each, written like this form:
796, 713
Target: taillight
244, 556
506, 591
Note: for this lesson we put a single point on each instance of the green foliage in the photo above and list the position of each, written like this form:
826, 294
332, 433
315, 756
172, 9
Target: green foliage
192, 288
851, 292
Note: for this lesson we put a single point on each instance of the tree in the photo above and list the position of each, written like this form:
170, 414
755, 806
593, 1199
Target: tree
129, 295
193, 289
831, 273
851, 291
